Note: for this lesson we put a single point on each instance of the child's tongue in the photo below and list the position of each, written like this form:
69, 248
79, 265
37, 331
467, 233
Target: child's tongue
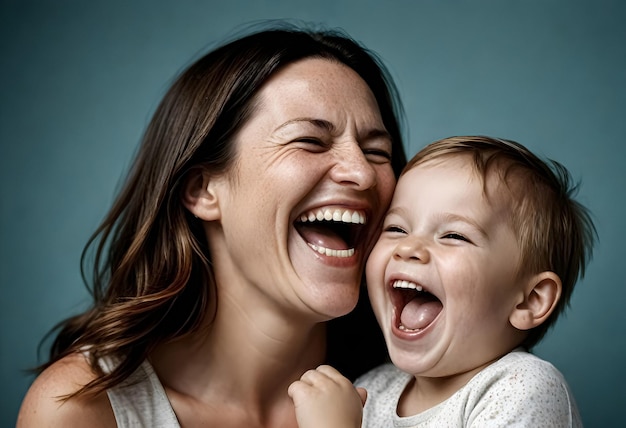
420, 312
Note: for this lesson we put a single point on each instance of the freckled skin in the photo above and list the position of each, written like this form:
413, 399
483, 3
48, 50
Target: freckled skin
306, 146
315, 139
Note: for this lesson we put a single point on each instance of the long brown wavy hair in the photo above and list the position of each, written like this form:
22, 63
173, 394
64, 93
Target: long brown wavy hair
151, 277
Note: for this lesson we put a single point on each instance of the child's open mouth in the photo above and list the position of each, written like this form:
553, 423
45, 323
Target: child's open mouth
415, 308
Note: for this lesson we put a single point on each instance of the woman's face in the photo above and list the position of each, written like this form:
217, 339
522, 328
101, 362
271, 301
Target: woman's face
302, 205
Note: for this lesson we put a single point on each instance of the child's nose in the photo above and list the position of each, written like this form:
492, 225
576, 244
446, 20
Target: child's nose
412, 249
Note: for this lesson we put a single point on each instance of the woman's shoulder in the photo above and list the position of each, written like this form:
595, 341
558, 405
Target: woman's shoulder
43, 404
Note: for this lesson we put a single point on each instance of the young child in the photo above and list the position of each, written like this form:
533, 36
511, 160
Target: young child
478, 256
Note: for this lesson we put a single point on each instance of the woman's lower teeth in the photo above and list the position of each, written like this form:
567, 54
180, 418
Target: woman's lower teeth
333, 253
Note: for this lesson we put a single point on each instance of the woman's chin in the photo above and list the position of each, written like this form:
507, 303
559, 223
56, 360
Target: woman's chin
334, 301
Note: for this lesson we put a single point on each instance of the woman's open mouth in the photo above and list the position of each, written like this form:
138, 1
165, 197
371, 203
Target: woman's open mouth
333, 232
414, 307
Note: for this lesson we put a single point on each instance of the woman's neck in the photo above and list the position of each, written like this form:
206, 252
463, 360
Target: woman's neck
246, 358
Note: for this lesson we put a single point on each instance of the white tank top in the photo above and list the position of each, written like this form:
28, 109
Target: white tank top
140, 401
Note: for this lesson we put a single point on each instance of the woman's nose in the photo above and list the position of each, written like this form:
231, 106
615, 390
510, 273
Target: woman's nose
412, 249
353, 169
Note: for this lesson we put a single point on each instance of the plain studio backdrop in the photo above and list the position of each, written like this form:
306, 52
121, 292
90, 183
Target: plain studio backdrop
80, 79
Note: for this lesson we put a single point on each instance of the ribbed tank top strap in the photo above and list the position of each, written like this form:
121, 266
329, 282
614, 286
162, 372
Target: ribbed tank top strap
140, 401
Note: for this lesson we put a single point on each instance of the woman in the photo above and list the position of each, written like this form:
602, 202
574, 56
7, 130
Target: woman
243, 227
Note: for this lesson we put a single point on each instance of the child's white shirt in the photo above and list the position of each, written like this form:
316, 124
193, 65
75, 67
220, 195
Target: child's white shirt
518, 390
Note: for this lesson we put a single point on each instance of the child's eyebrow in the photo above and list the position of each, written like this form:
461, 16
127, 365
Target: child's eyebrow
453, 218
399, 211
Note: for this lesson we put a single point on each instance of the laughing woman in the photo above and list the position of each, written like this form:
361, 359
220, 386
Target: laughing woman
242, 229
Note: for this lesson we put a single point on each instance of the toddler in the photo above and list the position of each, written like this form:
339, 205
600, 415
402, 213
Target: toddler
478, 256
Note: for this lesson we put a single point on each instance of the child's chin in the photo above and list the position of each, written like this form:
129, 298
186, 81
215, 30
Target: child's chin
407, 362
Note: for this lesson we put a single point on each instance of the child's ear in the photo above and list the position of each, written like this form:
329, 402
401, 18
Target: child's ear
199, 195
541, 294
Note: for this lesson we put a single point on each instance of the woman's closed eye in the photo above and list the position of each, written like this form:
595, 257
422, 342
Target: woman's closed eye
377, 155
313, 143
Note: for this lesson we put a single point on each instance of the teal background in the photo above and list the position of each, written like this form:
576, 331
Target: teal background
80, 79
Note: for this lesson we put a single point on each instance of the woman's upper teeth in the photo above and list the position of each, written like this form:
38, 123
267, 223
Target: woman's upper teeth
334, 214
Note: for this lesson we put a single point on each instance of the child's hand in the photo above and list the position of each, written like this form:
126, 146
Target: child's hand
325, 398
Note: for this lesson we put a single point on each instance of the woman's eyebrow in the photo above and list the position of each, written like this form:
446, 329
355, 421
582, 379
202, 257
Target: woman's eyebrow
318, 123
377, 133
329, 127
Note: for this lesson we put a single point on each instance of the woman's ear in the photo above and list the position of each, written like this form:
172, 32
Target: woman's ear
199, 195
541, 294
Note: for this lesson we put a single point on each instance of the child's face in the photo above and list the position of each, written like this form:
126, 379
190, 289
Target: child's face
443, 235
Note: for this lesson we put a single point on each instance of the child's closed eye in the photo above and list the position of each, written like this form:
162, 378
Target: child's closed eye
456, 236
394, 229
